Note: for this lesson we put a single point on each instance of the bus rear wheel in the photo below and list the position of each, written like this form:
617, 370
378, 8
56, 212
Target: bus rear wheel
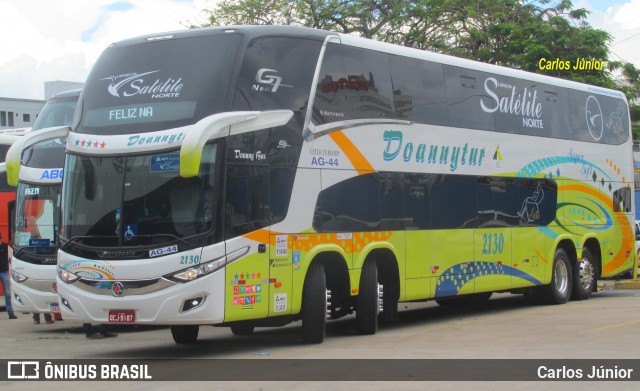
559, 291
185, 334
584, 277
367, 304
314, 305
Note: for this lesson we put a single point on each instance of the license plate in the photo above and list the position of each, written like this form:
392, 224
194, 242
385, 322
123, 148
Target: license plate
122, 316
55, 308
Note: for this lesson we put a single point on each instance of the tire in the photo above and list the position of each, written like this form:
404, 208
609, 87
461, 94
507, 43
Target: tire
584, 277
388, 277
367, 301
185, 334
559, 290
314, 305
242, 329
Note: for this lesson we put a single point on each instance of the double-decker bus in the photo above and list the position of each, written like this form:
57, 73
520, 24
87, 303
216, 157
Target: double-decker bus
253, 176
37, 206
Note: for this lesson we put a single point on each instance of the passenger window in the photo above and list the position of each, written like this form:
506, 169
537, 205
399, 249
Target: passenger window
418, 91
352, 205
353, 84
465, 92
276, 73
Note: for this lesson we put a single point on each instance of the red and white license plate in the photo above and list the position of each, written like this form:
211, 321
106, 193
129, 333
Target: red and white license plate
55, 308
122, 316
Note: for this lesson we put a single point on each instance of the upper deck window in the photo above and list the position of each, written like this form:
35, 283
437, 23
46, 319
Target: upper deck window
353, 84
158, 85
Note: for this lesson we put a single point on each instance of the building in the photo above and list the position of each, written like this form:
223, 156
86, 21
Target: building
19, 113
22, 113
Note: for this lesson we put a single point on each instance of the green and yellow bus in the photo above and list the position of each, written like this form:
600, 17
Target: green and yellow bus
253, 176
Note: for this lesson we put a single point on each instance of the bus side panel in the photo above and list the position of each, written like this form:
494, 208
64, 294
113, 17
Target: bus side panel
444, 256
247, 279
529, 259
623, 247
492, 265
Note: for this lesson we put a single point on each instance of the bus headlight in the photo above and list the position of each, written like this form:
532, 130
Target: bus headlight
203, 269
17, 277
194, 272
67, 276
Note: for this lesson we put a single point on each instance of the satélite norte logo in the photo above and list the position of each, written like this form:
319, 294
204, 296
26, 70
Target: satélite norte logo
131, 84
268, 81
522, 103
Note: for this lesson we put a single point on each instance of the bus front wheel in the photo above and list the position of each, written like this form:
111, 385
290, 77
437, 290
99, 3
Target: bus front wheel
559, 291
367, 304
185, 334
314, 305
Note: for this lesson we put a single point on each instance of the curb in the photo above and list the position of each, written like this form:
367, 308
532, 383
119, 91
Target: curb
627, 284
621, 284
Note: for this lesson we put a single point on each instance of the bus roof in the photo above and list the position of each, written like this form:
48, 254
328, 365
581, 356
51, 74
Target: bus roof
251, 32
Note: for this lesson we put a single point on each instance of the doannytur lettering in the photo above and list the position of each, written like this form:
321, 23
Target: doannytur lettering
164, 139
452, 155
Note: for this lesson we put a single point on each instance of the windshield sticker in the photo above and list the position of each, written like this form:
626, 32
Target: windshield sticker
165, 163
130, 231
40, 245
22, 238
268, 81
163, 251
32, 191
39, 242
131, 84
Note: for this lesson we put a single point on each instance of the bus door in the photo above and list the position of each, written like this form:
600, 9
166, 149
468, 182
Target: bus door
281, 261
246, 216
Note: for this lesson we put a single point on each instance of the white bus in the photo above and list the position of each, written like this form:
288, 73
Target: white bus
37, 210
255, 176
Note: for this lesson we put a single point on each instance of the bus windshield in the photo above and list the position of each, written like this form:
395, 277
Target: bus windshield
138, 200
158, 85
57, 112
37, 219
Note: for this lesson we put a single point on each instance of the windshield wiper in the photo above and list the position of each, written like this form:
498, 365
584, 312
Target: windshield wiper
77, 238
18, 253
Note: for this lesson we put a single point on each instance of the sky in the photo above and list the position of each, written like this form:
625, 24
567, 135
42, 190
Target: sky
45, 40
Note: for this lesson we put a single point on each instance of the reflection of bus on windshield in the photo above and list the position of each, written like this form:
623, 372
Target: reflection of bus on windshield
287, 174
38, 197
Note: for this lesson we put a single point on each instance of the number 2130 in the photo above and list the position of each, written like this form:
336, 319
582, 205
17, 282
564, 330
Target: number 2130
492, 244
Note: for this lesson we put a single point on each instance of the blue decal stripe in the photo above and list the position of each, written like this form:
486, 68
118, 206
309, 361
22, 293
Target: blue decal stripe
454, 278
